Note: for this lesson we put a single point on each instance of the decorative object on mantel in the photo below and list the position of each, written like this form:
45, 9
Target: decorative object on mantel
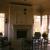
25, 11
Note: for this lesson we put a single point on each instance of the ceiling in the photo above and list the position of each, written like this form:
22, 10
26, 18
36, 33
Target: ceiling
35, 3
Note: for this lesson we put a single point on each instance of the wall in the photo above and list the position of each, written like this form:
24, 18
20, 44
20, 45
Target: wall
17, 18
17, 15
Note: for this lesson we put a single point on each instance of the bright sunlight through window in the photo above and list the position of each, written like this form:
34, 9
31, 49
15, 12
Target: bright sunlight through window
37, 27
2, 17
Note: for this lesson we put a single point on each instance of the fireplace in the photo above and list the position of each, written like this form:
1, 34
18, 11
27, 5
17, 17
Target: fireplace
20, 34
22, 31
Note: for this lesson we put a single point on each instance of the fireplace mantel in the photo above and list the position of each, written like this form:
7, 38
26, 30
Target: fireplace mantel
22, 26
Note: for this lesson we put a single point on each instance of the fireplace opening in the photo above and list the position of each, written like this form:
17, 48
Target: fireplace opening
21, 33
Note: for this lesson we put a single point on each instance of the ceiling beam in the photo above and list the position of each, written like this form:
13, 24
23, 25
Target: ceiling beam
18, 3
